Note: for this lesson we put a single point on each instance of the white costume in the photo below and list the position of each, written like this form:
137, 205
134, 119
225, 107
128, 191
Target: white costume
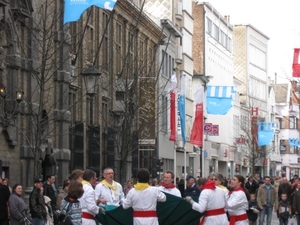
211, 200
237, 204
144, 205
88, 204
172, 191
112, 197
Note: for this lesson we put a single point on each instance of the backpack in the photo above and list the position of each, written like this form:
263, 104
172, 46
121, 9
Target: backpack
63, 218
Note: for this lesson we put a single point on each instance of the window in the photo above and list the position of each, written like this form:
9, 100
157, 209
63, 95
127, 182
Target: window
282, 146
216, 32
292, 122
119, 47
281, 123
105, 48
164, 122
120, 95
209, 26
292, 149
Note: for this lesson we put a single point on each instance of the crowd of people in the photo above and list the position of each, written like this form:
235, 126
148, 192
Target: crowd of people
237, 201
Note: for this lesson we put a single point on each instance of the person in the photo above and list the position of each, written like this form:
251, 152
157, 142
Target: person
37, 204
212, 201
76, 175
49, 190
294, 179
191, 187
155, 182
181, 186
253, 210
70, 203
49, 219
109, 193
4, 196
284, 188
88, 199
219, 181
17, 206
266, 200
128, 187
251, 185
6, 182
62, 193
143, 200
168, 184
237, 201
296, 203
284, 210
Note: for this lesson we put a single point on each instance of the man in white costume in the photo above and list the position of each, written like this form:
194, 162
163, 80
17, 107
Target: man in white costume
168, 184
143, 199
109, 193
88, 199
212, 201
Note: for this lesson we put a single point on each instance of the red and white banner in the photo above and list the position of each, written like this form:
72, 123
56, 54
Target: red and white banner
197, 130
296, 63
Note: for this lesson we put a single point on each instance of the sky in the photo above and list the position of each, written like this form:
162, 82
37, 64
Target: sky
278, 20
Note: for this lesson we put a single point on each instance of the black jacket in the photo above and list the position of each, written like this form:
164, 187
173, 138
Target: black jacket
252, 216
49, 191
192, 191
4, 196
251, 187
37, 204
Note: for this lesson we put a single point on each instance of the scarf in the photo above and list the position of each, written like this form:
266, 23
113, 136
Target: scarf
209, 185
237, 189
168, 187
84, 182
113, 187
141, 186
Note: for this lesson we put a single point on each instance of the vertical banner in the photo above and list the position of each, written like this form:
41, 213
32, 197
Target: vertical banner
296, 63
181, 107
197, 130
173, 108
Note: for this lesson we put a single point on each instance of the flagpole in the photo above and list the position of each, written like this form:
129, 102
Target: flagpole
175, 163
185, 175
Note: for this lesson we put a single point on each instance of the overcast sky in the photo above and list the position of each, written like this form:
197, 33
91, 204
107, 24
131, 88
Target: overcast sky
279, 20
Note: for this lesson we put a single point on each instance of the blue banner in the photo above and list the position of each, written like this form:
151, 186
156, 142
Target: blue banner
294, 142
75, 8
181, 108
219, 99
265, 133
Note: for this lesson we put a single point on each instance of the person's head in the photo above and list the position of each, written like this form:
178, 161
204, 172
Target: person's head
47, 200
50, 179
90, 176
267, 180
75, 190
283, 197
66, 184
201, 181
190, 180
129, 183
76, 175
5, 181
217, 178
237, 181
250, 179
17, 188
143, 175
284, 180
38, 183
252, 197
168, 177
108, 174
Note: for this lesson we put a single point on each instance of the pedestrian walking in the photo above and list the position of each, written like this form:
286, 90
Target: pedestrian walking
253, 210
296, 203
284, 210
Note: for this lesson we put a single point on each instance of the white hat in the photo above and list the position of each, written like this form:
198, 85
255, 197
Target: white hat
47, 199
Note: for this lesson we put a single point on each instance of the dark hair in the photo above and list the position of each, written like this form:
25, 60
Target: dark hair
242, 180
49, 176
75, 189
170, 172
88, 174
14, 187
66, 183
75, 174
201, 181
143, 175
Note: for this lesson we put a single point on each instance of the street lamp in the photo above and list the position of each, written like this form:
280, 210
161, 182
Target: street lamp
91, 77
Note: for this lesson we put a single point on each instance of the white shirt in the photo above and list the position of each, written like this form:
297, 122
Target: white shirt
111, 197
237, 204
212, 199
144, 200
88, 203
172, 191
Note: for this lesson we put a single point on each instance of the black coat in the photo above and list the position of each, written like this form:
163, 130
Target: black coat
4, 196
252, 216
37, 204
251, 187
192, 191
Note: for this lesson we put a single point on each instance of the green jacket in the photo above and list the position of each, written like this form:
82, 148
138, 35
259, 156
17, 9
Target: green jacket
262, 196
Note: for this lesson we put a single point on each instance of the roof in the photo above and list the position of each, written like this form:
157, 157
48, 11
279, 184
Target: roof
281, 93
